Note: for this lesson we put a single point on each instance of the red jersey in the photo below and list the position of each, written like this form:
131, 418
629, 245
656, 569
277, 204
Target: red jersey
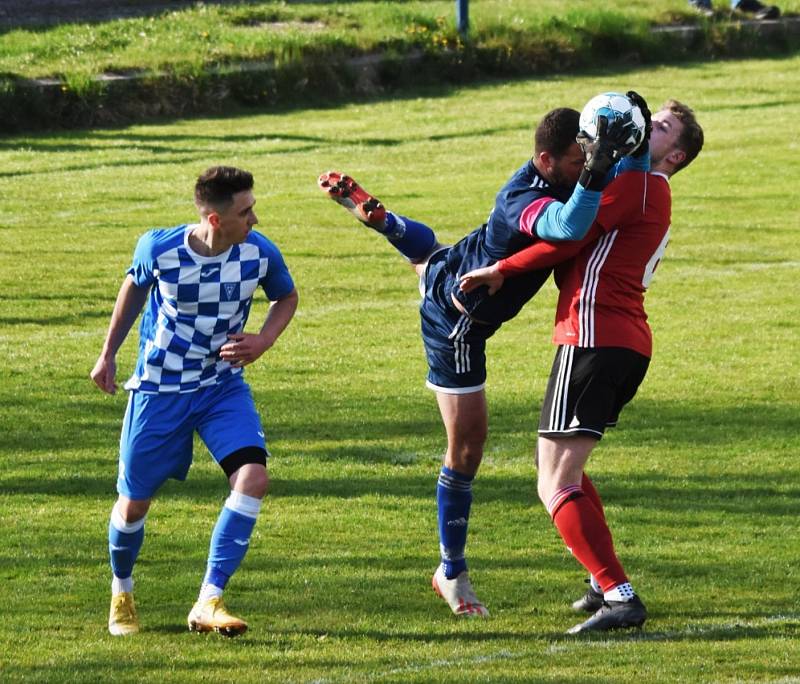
601, 300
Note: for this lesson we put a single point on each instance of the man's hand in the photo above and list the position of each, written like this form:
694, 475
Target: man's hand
104, 373
602, 151
489, 275
639, 101
130, 300
607, 147
243, 348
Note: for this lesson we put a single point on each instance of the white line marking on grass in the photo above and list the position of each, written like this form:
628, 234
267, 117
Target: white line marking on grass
691, 631
433, 664
576, 643
414, 668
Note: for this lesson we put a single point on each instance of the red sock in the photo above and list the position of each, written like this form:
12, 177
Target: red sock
586, 534
591, 493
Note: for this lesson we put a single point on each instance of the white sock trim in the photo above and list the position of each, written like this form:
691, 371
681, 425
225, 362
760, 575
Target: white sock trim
208, 591
119, 585
241, 503
121, 525
622, 592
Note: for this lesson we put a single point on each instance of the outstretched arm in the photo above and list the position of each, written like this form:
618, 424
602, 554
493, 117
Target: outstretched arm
537, 256
569, 221
545, 254
130, 300
572, 220
245, 348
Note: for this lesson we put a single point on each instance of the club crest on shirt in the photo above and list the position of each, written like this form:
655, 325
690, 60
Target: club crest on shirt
230, 288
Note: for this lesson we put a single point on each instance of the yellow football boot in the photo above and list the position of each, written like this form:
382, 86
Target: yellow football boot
212, 615
122, 619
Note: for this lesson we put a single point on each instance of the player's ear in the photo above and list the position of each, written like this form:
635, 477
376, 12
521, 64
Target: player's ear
206, 212
546, 161
676, 157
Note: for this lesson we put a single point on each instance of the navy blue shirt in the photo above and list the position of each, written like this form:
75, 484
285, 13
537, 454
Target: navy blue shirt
510, 228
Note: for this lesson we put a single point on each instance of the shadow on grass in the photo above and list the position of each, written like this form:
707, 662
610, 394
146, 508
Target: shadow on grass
169, 629
91, 141
327, 101
92, 422
452, 633
75, 316
185, 159
658, 493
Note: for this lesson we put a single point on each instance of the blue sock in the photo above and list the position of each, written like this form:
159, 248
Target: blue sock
454, 497
124, 541
412, 239
231, 538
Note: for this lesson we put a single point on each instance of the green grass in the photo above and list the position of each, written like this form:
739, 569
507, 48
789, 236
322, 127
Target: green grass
700, 479
188, 40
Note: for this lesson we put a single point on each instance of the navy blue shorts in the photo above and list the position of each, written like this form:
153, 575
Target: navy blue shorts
158, 431
455, 345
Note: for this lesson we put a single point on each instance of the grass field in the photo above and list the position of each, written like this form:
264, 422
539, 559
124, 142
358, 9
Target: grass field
700, 479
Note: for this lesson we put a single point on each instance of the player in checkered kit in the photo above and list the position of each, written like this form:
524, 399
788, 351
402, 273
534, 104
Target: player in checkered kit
196, 283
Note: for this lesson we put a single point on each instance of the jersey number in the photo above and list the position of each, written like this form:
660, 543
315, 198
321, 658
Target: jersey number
650, 268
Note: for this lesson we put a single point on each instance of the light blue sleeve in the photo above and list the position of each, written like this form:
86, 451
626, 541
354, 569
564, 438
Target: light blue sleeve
629, 163
570, 221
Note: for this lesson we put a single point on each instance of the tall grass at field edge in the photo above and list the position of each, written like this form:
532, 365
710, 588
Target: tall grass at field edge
329, 70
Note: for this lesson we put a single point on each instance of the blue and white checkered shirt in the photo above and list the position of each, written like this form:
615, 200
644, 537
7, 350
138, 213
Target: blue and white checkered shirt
195, 303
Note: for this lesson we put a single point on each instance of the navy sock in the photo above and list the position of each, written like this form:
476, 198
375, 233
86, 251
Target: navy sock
412, 239
231, 538
454, 497
124, 541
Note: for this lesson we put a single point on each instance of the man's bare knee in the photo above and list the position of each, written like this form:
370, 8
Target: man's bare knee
132, 510
251, 479
464, 458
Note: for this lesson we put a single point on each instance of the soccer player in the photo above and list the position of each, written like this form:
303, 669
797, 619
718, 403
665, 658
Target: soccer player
554, 195
604, 348
197, 282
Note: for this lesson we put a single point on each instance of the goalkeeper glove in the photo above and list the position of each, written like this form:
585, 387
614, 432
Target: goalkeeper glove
601, 152
639, 101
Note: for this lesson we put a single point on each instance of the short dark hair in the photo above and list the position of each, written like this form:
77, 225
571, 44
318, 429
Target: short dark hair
691, 138
556, 132
217, 185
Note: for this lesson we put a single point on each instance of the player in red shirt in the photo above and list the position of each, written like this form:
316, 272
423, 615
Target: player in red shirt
604, 350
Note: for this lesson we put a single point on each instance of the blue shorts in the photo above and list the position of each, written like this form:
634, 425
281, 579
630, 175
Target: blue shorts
455, 345
158, 431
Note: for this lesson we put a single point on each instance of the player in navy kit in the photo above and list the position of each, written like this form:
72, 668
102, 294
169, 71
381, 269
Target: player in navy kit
196, 283
554, 195
604, 351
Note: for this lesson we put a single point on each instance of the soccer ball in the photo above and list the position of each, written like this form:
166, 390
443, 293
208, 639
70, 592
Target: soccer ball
614, 106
